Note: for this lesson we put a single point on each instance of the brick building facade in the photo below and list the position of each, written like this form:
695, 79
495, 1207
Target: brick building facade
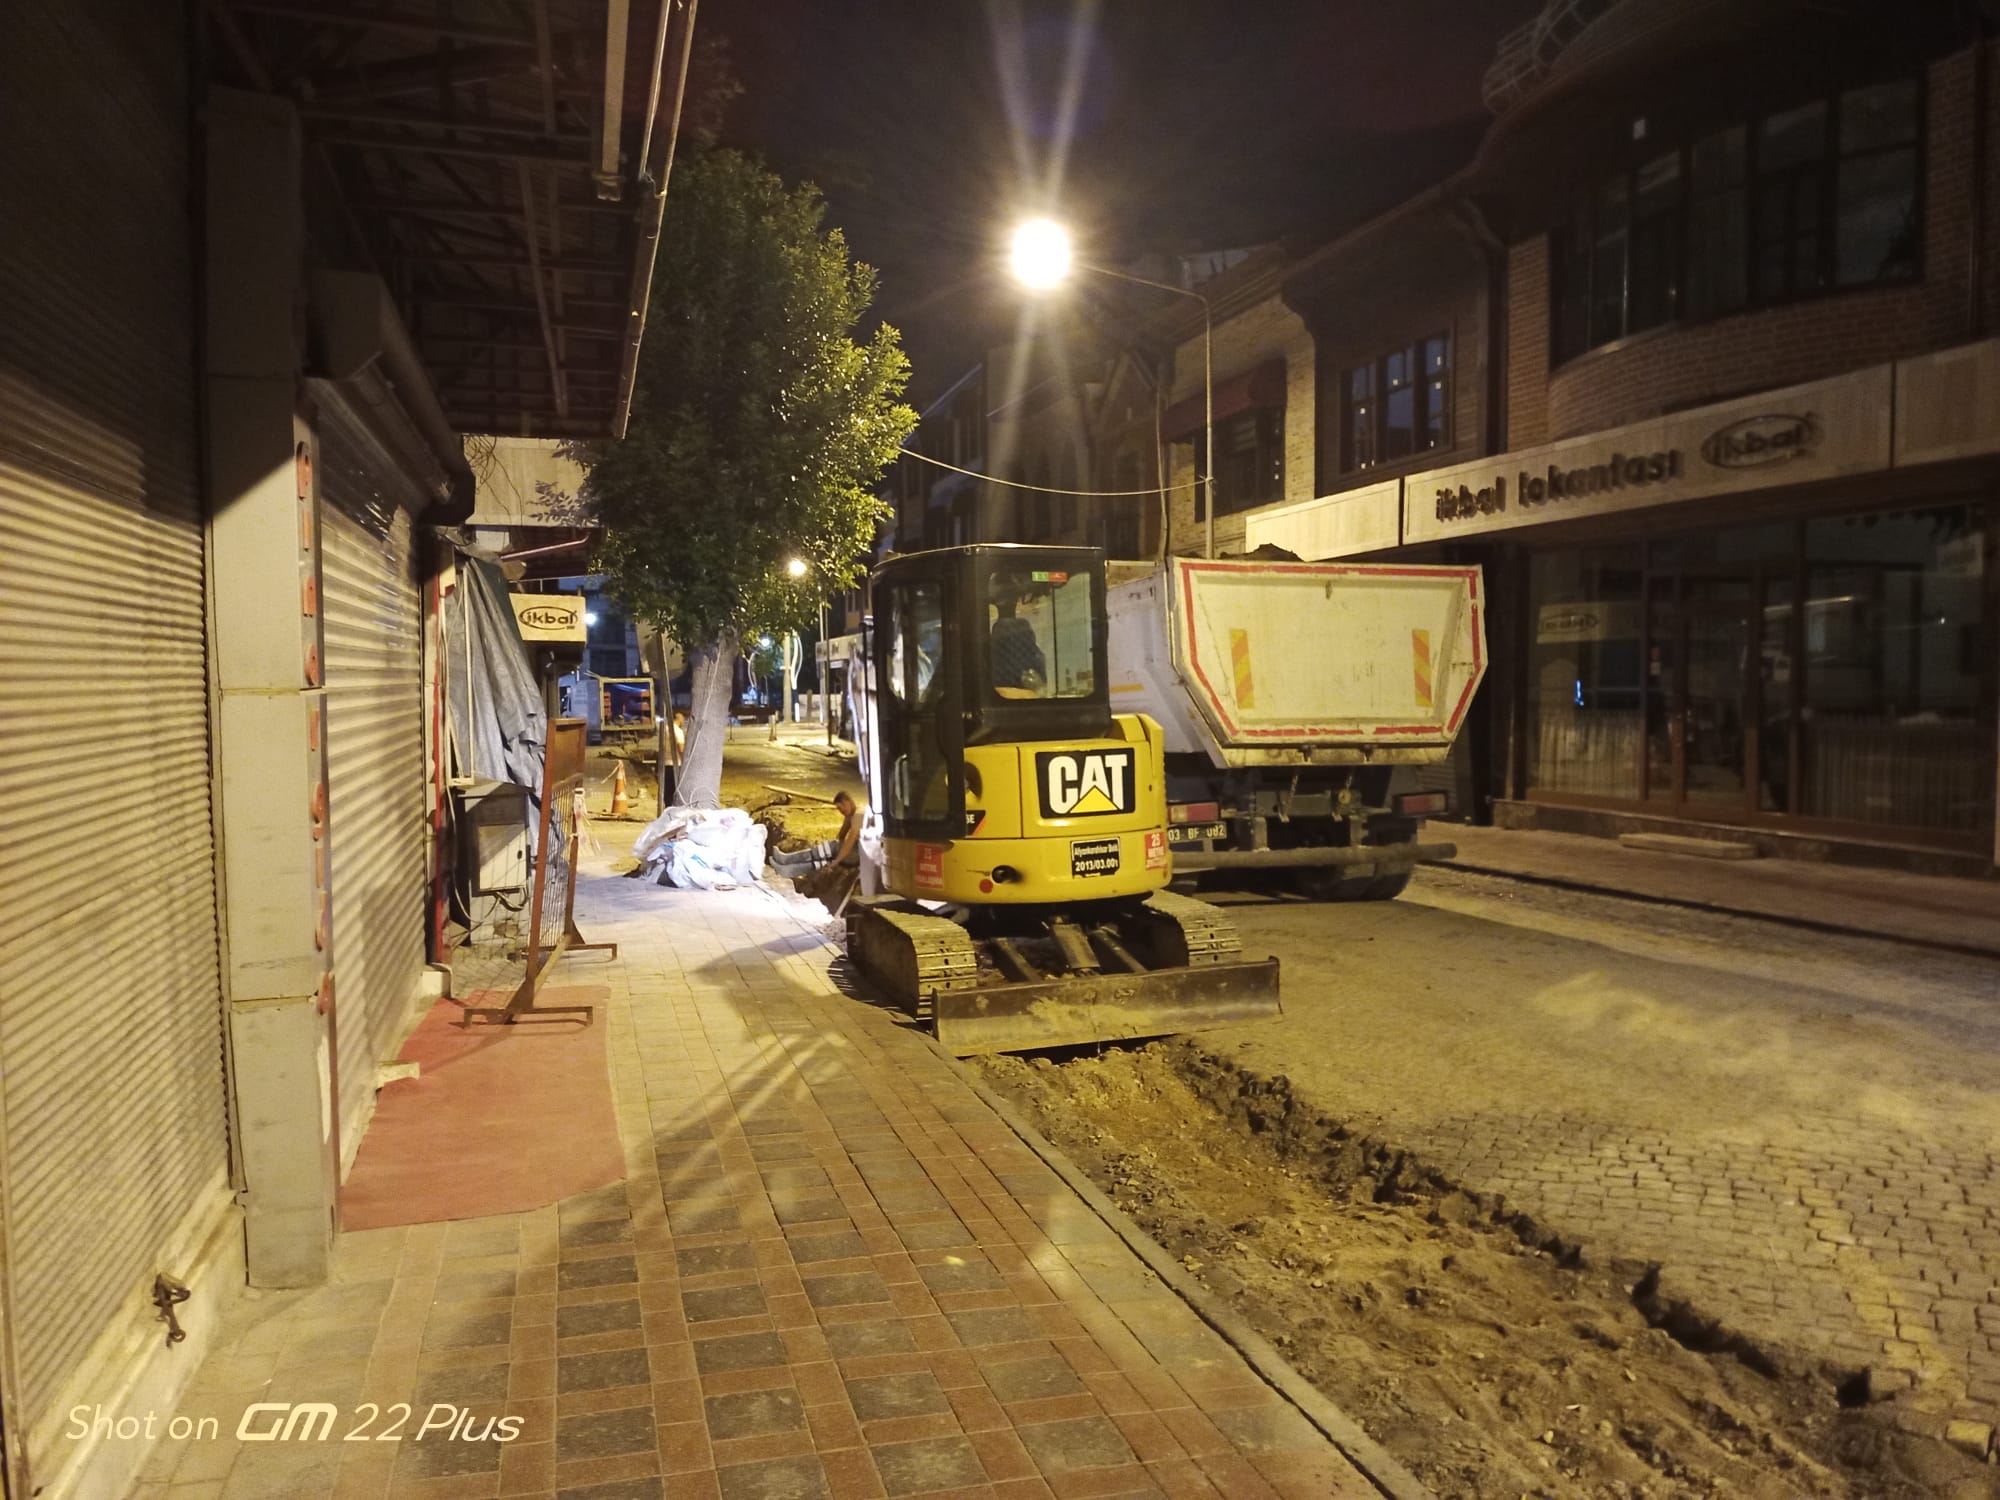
1733, 477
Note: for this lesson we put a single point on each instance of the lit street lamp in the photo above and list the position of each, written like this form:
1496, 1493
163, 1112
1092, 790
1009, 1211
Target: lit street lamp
1040, 258
798, 567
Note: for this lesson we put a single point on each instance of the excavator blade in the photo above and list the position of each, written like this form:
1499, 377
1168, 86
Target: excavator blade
1076, 1009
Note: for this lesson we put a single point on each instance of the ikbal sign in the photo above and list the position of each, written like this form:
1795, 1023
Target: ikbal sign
549, 617
1832, 427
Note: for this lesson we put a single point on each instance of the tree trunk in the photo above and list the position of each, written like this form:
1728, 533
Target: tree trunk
710, 688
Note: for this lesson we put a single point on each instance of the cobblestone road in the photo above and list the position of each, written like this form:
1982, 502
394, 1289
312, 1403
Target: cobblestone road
1801, 1130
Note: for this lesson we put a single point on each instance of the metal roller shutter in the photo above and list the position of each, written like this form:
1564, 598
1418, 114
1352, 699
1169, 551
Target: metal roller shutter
1452, 775
375, 752
113, 1141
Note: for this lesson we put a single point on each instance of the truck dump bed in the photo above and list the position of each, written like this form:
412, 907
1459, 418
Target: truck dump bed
1273, 663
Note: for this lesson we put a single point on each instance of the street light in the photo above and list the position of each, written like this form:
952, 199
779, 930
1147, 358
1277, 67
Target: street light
1040, 258
796, 567
1040, 255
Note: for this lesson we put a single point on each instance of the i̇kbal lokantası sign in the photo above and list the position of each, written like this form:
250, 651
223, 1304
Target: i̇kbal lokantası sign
1831, 427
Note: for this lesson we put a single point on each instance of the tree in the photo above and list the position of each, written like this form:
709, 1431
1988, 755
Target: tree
759, 426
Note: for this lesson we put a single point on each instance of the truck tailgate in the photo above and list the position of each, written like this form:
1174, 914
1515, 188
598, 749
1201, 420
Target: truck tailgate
1350, 654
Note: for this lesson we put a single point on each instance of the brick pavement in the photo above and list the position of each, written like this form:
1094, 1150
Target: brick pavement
832, 1271
1815, 1235
1803, 1131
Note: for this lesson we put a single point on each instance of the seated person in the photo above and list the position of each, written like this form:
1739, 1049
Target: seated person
838, 860
1019, 668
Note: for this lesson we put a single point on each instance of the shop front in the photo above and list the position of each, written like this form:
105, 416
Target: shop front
1775, 615
1825, 674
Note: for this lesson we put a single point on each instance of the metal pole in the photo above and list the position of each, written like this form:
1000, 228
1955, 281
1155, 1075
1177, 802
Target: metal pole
825, 674
1208, 419
1207, 384
791, 671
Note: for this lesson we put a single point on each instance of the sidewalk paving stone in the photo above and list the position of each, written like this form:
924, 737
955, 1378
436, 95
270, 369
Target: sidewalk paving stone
831, 1272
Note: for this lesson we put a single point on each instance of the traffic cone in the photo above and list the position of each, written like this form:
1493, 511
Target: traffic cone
619, 806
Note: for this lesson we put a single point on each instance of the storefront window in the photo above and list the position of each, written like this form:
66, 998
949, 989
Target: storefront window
1896, 723
1836, 670
1584, 708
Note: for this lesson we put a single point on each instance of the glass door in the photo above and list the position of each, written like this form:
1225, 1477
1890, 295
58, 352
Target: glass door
1714, 709
1700, 697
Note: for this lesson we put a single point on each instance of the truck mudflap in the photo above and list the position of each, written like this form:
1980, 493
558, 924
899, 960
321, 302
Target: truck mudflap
1078, 1009
1387, 859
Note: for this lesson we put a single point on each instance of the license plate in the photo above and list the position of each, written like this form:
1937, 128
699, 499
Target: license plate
1093, 857
1195, 833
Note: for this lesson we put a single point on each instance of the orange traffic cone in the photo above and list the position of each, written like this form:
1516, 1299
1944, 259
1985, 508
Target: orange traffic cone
619, 806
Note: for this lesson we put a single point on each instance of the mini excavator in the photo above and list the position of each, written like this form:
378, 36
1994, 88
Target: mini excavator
1023, 854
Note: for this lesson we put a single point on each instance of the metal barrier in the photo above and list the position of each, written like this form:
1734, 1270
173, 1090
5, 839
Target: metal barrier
552, 930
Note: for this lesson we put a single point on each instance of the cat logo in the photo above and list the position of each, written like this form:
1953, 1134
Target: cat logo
1085, 783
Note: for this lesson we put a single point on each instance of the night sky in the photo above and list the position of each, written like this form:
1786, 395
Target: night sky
1171, 125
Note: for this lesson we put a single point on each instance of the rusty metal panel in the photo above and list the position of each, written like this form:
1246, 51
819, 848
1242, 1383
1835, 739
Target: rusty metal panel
114, 1146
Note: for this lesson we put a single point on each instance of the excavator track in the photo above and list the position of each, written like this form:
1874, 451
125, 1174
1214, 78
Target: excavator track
910, 953
1166, 965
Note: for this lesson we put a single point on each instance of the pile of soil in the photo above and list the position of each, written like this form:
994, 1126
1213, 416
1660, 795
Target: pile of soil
1486, 1355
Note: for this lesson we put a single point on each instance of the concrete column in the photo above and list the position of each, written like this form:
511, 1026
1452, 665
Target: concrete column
267, 653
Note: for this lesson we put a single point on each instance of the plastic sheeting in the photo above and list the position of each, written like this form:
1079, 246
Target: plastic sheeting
499, 729
702, 849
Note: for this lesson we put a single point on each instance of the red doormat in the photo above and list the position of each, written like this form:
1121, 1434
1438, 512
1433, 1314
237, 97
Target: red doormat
499, 1120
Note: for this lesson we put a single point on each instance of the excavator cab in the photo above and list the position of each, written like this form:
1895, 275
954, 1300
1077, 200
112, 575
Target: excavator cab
1024, 823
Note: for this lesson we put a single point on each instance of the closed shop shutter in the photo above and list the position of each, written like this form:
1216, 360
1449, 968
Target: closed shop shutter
375, 750
1452, 775
114, 1157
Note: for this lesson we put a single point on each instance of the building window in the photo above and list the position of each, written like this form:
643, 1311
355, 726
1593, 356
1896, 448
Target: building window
1249, 461
1808, 199
1718, 278
1398, 406
1896, 718
1585, 683
1360, 448
1875, 202
1791, 172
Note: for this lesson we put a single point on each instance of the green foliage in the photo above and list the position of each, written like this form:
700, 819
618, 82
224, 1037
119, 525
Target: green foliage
759, 425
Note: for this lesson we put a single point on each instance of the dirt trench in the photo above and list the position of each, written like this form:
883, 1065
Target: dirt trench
1490, 1357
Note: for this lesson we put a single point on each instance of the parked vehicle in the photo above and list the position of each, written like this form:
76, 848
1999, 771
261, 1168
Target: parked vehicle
1297, 699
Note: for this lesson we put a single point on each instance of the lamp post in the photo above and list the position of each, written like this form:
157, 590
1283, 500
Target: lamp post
825, 674
796, 568
1040, 258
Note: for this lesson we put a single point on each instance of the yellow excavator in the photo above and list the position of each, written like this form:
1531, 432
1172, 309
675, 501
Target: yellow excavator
1020, 855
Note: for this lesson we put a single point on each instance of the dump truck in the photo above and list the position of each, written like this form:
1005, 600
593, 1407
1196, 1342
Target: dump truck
1297, 700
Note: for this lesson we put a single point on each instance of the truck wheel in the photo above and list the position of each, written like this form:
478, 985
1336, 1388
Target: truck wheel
1387, 887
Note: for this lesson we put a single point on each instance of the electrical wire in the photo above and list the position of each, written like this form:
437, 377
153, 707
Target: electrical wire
1043, 489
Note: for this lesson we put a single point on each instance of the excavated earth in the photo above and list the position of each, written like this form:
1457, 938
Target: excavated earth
1488, 1356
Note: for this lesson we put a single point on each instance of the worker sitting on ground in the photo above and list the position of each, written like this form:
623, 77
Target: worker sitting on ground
1019, 668
837, 861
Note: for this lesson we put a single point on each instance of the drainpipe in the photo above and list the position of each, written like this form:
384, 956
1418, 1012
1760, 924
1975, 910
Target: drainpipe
652, 214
